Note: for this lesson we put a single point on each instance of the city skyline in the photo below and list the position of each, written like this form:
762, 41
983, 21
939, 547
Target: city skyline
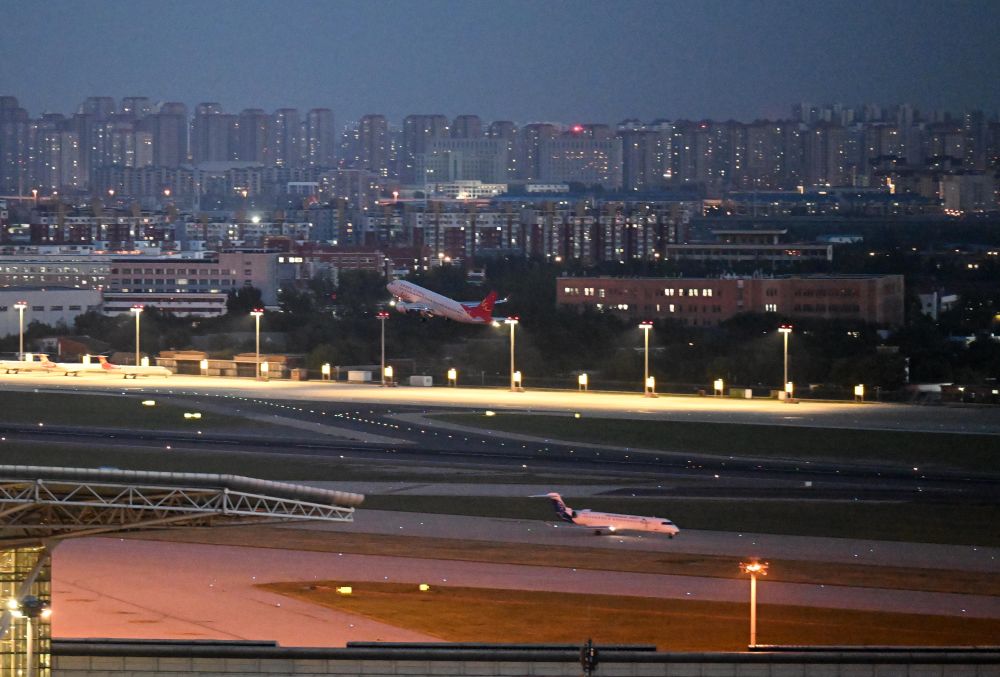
572, 62
858, 112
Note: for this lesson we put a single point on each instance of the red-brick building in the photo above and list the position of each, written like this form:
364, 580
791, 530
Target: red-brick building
705, 302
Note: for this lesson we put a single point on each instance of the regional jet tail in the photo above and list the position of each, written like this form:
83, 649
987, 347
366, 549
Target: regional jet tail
412, 298
131, 371
608, 521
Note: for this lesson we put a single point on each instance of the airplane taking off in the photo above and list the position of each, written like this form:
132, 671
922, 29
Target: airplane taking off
130, 370
415, 299
608, 521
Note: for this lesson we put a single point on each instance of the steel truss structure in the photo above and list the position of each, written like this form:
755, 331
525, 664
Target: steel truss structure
40, 506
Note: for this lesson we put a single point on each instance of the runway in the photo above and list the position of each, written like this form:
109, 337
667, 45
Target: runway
623, 405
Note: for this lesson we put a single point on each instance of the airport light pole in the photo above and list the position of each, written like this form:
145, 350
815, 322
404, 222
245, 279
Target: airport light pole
21, 306
785, 330
754, 569
646, 325
512, 321
382, 317
257, 312
137, 310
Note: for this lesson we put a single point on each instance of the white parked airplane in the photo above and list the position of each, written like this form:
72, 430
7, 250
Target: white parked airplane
130, 370
609, 521
413, 298
42, 364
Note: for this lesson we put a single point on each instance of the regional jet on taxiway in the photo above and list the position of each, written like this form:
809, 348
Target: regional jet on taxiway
609, 521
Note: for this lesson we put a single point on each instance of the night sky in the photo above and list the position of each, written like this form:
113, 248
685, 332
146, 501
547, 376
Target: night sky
507, 59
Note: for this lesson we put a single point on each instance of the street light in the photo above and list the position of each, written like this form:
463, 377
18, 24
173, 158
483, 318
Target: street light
515, 384
20, 305
382, 317
648, 387
754, 568
453, 377
583, 381
785, 330
137, 310
718, 386
257, 312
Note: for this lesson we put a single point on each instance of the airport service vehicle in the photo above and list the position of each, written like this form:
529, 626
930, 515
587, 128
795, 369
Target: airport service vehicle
412, 298
130, 370
609, 521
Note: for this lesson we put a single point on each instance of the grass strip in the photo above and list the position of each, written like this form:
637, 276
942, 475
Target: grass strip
109, 411
259, 464
902, 448
465, 614
598, 559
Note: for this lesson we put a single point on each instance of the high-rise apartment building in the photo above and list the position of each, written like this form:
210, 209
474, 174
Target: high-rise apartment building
418, 131
213, 134
54, 155
506, 131
531, 137
253, 131
373, 145
643, 154
14, 124
136, 106
101, 107
319, 148
823, 156
284, 146
467, 127
768, 160
169, 128
577, 158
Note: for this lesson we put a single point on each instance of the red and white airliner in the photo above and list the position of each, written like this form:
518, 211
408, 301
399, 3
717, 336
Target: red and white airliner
412, 298
131, 370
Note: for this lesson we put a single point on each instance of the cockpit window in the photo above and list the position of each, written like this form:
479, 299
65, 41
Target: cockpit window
667, 523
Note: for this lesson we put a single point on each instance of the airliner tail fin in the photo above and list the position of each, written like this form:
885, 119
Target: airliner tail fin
486, 305
565, 513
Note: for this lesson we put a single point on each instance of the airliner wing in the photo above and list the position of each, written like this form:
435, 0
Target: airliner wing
475, 304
